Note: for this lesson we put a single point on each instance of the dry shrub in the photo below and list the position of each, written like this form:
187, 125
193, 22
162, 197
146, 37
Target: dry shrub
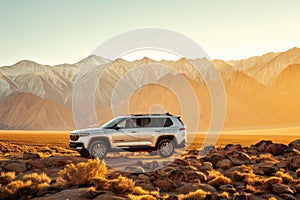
196, 195
141, 197
254, 179
101, 183
216, 179
37, 179
122, 185
272, 198
250, 189
223, 195
238, 176
7, 177
273, 180
81, 173
286, 178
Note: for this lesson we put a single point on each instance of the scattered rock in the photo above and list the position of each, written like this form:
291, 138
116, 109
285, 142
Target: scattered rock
294, 163
224, 164
280, 188
165, 184
15, 167
27, 155
276, 149
238, 158
295, 144
135, 169
262, 145
191, 175
37, 164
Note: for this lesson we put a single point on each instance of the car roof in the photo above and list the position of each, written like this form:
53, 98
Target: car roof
150, 115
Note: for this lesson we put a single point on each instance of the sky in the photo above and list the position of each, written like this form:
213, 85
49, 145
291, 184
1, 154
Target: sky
66, 31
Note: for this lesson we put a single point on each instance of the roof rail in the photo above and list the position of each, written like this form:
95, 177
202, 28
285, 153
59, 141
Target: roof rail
164, 114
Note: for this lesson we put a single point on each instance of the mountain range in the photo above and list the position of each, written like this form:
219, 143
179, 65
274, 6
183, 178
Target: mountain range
261, 91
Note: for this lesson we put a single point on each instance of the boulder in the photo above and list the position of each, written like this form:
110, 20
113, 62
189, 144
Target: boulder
37, 164
15, 167
224, 164
233, 147
191, 175
190, 187
276, 149
281, 188
28, 155
165, 184
262, 145
295, 144
294, 163
207, 166
238, 158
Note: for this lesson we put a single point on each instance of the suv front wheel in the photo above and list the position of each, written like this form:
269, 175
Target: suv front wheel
98, 149
165, 148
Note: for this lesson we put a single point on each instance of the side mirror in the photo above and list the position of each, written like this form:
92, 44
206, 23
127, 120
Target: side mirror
116, 127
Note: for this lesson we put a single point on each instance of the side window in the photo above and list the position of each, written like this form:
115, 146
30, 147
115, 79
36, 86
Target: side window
127, 123
143, 122
168, 122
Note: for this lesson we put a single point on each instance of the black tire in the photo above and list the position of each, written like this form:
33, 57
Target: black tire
98, 149
84, 153
165, 148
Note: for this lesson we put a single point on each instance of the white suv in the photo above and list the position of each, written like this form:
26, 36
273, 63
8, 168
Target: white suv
154, 133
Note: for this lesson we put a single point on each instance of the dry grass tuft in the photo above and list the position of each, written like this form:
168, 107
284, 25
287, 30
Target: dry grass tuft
196, 195
250, 189
81, 173
37, 179
273, 180
122, 185
101, 183
7, 177
141, 197
216, 179
286, 178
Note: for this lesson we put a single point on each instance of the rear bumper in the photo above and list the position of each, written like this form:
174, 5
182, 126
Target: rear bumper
76, 146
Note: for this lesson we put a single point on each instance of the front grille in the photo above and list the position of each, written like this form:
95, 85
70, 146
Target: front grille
74, 137
74, 145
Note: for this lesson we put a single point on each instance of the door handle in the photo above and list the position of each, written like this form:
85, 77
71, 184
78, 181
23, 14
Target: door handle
158, 131
133, 131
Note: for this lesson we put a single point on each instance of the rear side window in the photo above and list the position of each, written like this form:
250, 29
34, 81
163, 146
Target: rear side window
154, 122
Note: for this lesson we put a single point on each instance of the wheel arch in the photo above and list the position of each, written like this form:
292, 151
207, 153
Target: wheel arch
163, 137
101, 138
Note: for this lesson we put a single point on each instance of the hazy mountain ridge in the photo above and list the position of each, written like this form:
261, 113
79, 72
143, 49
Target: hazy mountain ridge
261, 91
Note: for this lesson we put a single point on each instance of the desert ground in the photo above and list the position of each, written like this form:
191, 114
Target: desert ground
243, 164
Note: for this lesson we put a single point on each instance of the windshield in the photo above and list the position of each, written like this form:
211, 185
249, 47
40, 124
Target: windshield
112, 123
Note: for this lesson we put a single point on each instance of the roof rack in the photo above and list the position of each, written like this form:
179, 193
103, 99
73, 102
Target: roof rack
164, 114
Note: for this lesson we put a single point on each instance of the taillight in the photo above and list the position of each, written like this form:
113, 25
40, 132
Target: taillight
182, 129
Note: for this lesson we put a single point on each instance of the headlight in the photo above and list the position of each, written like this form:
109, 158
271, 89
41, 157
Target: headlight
83, 134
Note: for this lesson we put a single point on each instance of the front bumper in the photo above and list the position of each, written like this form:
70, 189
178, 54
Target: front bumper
76, 146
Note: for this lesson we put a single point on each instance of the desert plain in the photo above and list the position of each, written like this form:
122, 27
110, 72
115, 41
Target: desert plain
243, 164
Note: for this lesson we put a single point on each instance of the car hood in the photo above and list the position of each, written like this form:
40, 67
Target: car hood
88, 130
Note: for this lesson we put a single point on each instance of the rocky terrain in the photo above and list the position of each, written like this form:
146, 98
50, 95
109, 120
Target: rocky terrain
261, 91
265, 170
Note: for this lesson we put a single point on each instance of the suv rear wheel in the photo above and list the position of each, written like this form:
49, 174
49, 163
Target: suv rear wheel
98, 149
165, 148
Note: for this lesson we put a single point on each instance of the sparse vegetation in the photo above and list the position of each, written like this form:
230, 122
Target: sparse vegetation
82, 173
7, 177
31, 184
216, 179
196, 195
